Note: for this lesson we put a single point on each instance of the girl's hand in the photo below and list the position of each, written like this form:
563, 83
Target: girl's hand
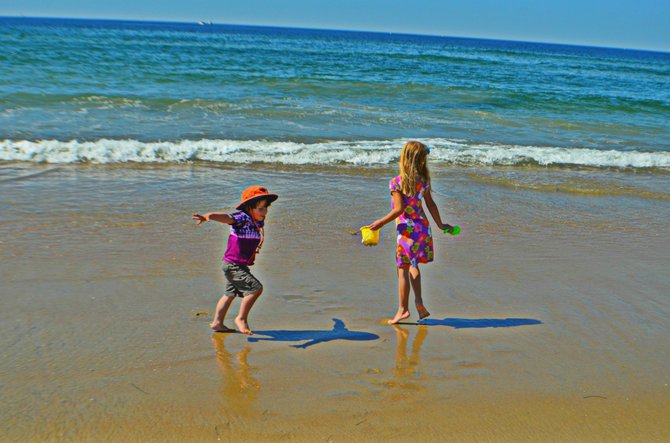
375, 225
448, 227
199, 218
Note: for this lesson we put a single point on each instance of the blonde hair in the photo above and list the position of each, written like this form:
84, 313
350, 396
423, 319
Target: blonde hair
413, 166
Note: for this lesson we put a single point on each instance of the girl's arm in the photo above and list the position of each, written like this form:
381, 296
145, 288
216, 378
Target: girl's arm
220, 217
398, 208
432, 208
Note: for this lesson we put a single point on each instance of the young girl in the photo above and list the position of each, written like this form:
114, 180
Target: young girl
244, 242
415, 241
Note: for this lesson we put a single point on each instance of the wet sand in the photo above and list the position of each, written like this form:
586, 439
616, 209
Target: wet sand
550, 311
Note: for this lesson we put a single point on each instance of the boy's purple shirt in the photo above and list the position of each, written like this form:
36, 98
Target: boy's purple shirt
243, 240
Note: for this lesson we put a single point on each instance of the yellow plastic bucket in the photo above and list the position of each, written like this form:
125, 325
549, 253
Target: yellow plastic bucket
370, 237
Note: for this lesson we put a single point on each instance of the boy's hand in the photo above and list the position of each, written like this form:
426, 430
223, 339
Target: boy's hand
199, 218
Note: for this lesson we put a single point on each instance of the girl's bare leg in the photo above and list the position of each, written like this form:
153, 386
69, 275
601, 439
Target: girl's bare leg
415, 279
403, 296
247, 303
220, 313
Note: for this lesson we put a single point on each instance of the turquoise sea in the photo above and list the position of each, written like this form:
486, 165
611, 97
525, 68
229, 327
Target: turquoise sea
98, 91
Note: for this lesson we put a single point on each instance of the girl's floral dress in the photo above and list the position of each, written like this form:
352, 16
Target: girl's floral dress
415, 241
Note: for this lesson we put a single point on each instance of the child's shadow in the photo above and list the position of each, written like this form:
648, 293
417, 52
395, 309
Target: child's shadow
464, 323
339, 332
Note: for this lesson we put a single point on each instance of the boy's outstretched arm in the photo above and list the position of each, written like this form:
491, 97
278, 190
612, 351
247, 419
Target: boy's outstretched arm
220, 217
432, 208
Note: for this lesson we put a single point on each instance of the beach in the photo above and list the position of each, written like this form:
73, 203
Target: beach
549, 312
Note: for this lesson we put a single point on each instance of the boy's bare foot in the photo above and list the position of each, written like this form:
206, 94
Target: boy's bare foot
423, 312
400, 315
220, 327
243, 326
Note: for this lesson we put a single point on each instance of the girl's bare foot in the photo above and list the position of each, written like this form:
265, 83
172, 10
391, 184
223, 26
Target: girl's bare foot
423, 312
400, 315
243, 326
220, 327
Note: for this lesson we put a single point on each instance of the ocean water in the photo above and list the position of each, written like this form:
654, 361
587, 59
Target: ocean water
80, 91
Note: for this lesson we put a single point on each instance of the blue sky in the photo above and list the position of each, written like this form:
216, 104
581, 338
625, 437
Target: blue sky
641, 24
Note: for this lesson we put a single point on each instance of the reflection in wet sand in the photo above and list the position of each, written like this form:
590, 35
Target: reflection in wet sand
407, 373
239, 388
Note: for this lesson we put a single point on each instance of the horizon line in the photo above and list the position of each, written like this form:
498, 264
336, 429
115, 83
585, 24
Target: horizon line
210, 23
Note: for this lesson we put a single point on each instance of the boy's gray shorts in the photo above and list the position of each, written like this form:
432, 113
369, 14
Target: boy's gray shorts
239, 280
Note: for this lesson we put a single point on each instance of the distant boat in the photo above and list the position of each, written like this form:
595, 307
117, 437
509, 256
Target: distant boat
201, 23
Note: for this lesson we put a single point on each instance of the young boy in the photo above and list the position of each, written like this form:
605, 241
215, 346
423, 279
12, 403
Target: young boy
244, 242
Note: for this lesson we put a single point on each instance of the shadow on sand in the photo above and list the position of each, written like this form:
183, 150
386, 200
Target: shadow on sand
464, 323
339, 332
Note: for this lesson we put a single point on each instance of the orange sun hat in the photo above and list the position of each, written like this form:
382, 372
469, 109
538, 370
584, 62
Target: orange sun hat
253, 193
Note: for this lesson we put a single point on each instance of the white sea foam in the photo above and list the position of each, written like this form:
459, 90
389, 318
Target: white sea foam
359, 153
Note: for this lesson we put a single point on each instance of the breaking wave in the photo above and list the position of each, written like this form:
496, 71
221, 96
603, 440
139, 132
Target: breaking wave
359, 153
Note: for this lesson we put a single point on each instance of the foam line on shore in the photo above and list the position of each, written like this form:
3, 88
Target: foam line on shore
360, 153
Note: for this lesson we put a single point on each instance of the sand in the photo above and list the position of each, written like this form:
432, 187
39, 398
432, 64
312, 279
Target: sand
550, 312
